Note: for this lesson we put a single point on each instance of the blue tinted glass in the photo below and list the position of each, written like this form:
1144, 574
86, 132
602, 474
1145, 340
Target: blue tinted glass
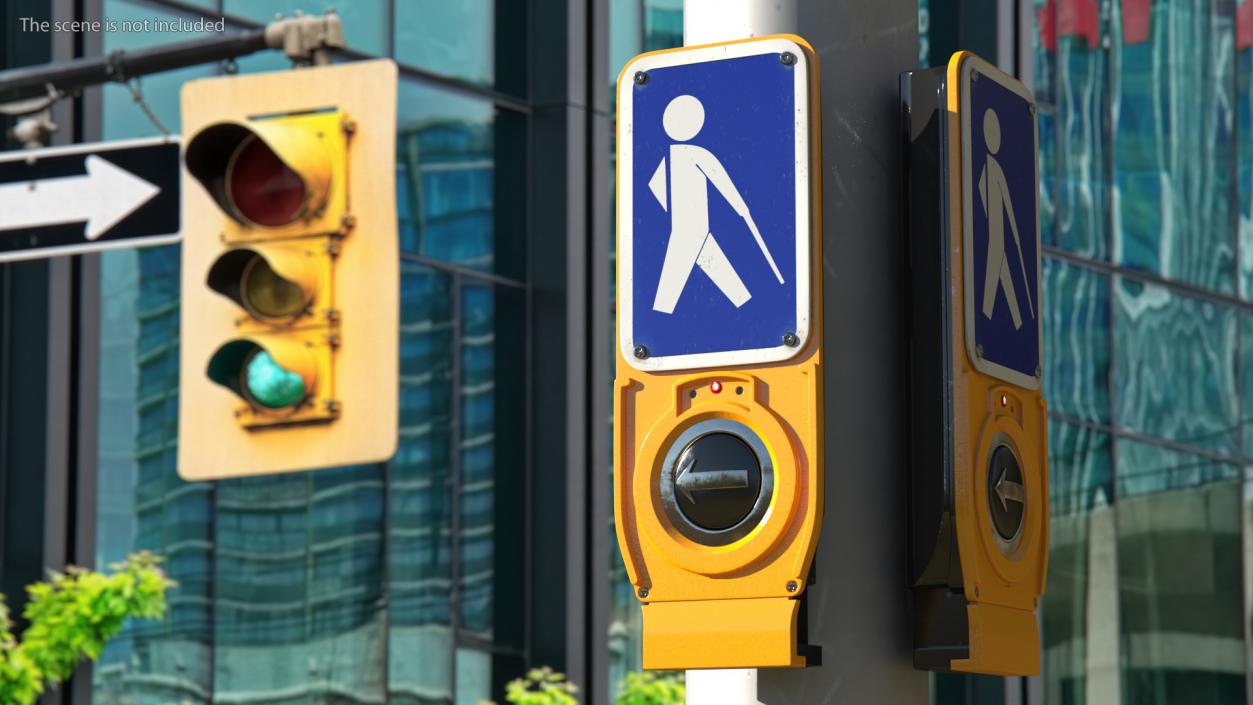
492, 460
1173, 145
364, 21
1179, 578
1079, 147
1246, 382
1076, 341
297, 583
142, 503
449, 164
453, 38
1244, 141
1081, 550
474, 677
420, 501
663, 24
1176, 366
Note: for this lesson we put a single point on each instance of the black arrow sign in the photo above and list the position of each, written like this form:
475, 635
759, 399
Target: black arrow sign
89, 197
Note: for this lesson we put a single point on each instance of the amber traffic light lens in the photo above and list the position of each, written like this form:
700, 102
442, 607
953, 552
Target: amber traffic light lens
266, 294
263, 189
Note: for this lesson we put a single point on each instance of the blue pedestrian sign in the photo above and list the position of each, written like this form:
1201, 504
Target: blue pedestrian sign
1001, 224
714, 224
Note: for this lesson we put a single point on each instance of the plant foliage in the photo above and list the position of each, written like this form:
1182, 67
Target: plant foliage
542, 686
652, 688
71, 616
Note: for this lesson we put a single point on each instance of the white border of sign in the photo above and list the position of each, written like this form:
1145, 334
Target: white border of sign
33, 155
988, 71
626, 282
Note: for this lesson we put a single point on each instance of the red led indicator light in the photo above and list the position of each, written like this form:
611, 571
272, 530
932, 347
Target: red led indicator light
716, 387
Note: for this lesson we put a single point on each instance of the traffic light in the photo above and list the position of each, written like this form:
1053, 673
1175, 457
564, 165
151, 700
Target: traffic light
718, 395
290, 271
978, 419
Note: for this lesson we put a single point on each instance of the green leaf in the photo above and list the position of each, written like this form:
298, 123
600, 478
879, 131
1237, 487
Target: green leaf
71, 616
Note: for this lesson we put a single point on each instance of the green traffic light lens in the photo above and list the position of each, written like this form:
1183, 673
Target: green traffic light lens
270, 384
267, 294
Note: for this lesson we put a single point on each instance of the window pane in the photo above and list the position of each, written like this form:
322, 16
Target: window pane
1080, 144
452, 38
297, 585
1246, 382
461, 180
474, 677
420, 496
1079, 615
1173, 148
142, 503
493, 466
1076, 341
1176, 366
364, 21
1179, 578
637, 26
1244, 140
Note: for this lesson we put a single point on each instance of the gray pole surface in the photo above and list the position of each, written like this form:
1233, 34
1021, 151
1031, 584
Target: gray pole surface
858, 602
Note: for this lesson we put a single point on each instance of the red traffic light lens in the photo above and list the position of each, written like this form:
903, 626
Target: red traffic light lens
262, 189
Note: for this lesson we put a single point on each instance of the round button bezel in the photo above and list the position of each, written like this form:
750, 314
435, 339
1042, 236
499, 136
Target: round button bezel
669, 468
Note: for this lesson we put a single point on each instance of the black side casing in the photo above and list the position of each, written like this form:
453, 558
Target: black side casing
941, 628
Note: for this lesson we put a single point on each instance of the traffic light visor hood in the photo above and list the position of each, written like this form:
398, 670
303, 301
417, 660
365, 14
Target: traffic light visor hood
275, 284
263, 173
279, 375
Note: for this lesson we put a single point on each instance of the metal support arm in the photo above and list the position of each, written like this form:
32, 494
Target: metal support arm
304, 38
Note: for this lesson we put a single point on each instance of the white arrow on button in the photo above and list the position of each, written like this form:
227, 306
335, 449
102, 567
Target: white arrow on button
1009, 491
100, 198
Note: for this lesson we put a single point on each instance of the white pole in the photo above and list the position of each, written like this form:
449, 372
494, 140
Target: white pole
722, 687
705, 22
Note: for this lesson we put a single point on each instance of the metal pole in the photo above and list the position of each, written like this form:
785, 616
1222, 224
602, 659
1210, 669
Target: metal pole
705, 22
858, 603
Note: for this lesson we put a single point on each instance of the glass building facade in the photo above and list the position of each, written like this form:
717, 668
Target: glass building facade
1146, 166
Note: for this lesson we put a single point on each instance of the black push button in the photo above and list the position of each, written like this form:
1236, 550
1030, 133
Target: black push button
717, 480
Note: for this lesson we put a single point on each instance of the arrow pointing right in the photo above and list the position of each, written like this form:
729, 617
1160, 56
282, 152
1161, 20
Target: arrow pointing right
1009, 491
100, 198
688, 481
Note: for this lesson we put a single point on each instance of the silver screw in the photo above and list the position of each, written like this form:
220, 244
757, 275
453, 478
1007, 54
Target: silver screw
790, 339
788, 58
979, 351
643, 593
1031, 108
641, 352
640, 78
792, 586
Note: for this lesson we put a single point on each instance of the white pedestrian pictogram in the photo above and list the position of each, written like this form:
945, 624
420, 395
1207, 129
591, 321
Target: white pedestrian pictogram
994, 194
692, 169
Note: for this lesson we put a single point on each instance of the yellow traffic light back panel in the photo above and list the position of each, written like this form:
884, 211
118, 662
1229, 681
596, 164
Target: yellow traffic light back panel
979, 465
718, 396
290, 275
